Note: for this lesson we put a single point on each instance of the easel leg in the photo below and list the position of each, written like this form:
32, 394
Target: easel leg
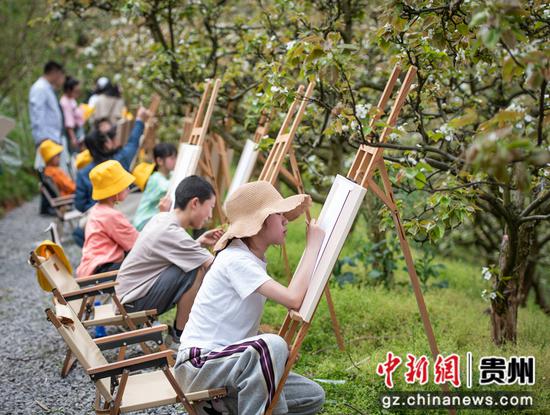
335, 323
412, 271
293, 355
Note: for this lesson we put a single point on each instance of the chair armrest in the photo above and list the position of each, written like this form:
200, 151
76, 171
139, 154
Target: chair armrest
132, 337
58, 202
97, 278
104, 288
158, 359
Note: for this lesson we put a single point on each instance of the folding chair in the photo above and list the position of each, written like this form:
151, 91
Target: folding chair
63, 205
80, 294
123, 386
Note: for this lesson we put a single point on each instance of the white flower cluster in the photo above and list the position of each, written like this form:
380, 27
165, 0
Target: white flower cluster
290, 44
276, 89
488, 295
515, 107
362, 110
486, 273
446, 131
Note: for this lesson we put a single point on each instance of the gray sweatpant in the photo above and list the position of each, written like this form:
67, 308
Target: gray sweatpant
250, 370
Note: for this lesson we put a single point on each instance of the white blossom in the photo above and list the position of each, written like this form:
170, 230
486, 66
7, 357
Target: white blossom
486, 273
290, 45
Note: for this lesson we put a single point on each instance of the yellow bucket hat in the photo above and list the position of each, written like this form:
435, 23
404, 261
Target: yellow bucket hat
142, 172
83, 159
46, 249
108, 179
49, 149
87, 111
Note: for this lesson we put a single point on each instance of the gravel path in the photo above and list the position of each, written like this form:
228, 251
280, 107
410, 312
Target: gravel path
31, 351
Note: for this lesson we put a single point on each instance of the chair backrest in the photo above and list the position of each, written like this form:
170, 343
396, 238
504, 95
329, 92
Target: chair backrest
60, 278
58, 275
81, 345
48, 185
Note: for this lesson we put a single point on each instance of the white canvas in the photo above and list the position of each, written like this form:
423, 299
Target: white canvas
337, 216
245, 166
186, 165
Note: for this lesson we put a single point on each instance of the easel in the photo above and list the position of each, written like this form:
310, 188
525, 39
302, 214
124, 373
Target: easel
213, 163
249, 155
274, 164
193, 138
347, 195
147, 139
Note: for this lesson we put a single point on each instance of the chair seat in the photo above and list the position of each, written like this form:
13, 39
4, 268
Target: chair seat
152, 389
104, 315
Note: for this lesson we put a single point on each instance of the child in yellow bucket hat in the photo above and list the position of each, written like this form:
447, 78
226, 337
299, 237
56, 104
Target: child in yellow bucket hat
51, 153
156, 184
109, 235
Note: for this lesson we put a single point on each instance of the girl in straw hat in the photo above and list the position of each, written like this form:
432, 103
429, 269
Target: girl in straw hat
108, 235
219, 345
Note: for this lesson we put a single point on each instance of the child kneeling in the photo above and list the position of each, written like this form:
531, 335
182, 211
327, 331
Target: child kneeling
109, 236
219, 345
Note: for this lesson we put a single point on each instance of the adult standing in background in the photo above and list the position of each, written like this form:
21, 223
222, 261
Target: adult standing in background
109, 104
46, 116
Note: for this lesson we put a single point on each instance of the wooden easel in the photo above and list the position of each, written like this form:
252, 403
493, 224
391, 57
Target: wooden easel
193, 138
273, 166
147, 142
249, 155
148, 138
213, 144
367, 162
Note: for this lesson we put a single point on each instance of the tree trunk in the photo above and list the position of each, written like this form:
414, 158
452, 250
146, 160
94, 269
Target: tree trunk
514, 264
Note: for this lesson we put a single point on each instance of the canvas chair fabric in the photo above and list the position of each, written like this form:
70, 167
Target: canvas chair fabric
57, 273
143, 390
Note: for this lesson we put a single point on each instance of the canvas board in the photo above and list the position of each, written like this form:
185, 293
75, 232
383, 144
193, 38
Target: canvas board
336, 217
186, 165
245, 166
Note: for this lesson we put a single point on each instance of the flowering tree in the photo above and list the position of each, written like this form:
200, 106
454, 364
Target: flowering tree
471, 149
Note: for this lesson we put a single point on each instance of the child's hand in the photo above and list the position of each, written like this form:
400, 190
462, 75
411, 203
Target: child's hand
209, 238
314, 233
143, 114
165, 204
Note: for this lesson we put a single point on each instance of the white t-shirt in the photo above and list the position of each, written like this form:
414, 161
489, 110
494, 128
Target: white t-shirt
227, 309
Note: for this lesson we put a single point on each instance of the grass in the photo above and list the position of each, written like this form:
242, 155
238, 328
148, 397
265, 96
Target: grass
375, 321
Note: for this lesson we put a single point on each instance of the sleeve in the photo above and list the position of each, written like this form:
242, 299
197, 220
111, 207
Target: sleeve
155, 189
64, 182
122, 232
37, 104
178, 248
68, 113
83, 194
127, 153
246, 275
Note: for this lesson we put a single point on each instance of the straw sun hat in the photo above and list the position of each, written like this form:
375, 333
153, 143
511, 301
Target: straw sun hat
249, 206
108, 179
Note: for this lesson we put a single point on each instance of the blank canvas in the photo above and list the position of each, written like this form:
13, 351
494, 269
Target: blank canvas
186, 165
336, 217
245, 166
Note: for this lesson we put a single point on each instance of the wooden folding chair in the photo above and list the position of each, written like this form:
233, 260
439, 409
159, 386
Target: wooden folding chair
80, 294
62, 205
124, 386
